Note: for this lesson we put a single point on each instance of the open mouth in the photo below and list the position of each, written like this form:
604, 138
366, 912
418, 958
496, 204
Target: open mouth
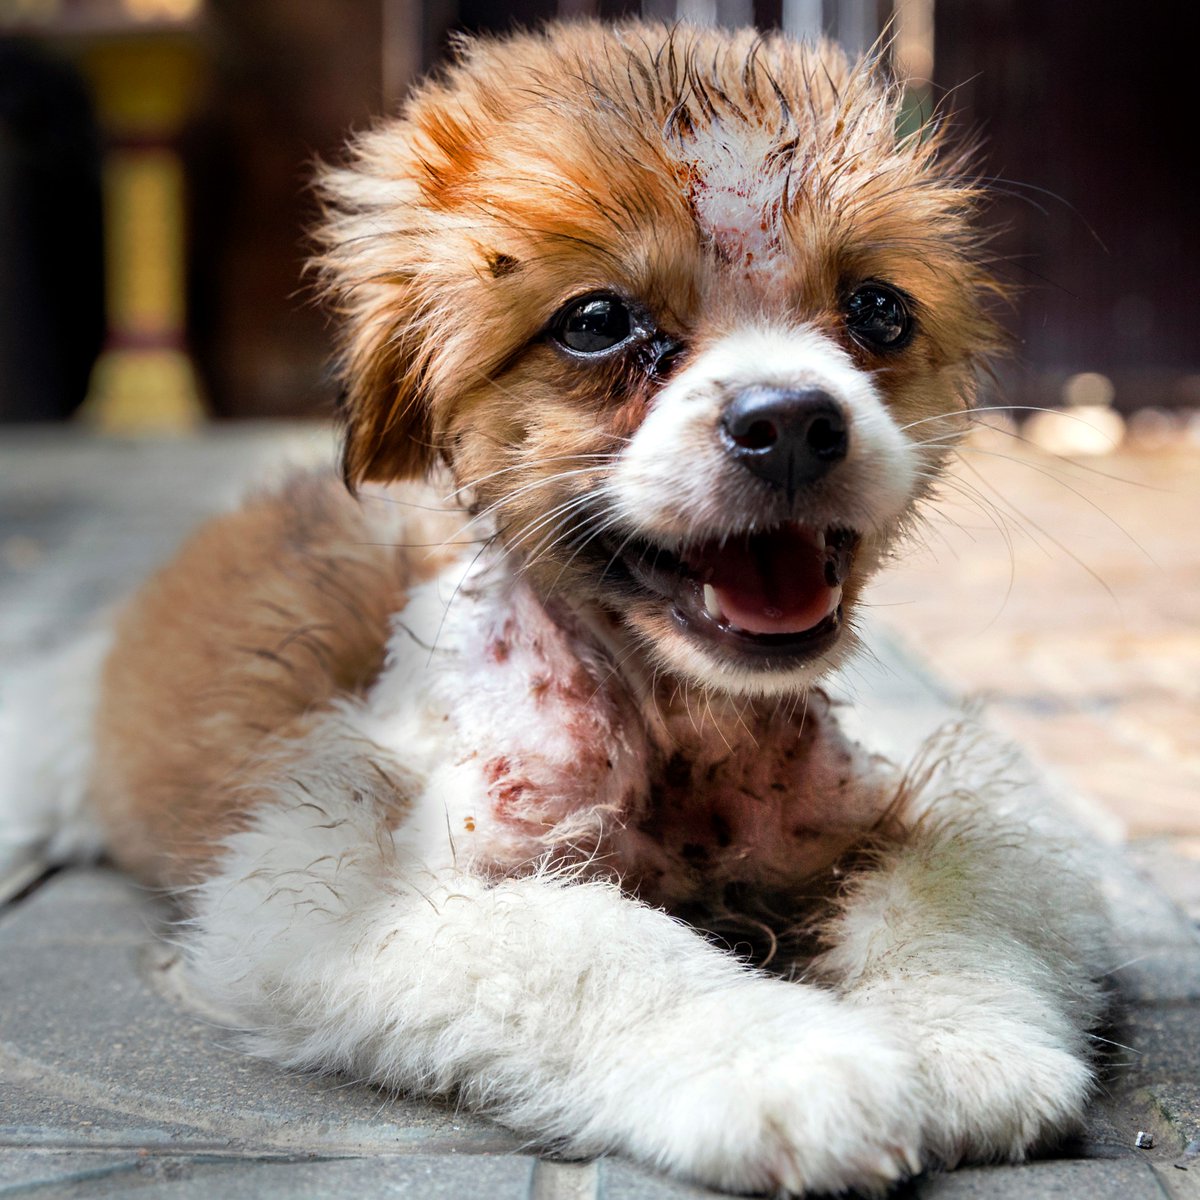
774, 594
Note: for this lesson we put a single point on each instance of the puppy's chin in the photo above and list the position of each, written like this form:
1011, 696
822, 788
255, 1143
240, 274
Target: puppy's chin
753, 614
734, 664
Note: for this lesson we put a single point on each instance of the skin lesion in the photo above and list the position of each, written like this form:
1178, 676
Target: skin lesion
501, 264
680, 798
763, 805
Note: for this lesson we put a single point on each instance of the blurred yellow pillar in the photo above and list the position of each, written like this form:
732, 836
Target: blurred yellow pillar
144, 380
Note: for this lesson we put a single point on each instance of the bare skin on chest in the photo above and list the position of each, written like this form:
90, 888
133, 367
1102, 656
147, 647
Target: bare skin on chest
678, 793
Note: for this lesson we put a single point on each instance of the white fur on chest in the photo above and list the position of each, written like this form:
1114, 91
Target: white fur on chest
534, 747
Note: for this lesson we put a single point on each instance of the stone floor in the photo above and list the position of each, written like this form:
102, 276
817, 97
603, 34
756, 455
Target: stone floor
112, 1083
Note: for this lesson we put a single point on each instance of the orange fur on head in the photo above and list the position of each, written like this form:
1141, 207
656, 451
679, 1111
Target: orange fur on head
538, 166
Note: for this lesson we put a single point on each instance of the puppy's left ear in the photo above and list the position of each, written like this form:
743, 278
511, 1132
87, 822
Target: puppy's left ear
369, 266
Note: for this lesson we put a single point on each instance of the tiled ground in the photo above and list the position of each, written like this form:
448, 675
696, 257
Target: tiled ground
1067, 597
112, 1084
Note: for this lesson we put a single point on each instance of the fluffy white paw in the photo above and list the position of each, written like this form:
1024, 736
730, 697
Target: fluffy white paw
1001, 1065
1002, 1097
780, 1097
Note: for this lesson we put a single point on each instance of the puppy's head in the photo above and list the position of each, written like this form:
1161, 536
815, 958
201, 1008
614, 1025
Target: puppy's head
680, 310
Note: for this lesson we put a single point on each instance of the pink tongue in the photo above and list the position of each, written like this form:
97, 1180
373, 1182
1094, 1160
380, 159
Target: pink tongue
771, 583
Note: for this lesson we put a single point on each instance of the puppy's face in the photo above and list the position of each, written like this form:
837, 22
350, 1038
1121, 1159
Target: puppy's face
681, 314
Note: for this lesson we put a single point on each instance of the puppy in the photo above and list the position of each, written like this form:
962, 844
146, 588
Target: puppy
682, 332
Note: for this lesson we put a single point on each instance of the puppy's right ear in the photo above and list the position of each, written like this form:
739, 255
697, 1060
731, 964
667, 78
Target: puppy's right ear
391, 261
368, 264
387, 434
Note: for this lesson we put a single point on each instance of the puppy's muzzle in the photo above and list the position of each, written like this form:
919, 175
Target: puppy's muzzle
786, 437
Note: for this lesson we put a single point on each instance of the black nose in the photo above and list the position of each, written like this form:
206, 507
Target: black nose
788, 438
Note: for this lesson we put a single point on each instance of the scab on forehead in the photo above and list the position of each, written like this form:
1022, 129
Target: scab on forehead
501, 264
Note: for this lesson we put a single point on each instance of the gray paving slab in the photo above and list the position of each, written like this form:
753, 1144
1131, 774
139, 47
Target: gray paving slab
619, 1180
1160, 975
1133, 1179
182, 1177
1145, 917
30, 1171
1162, 1046
1111, 1131
1178, 1107
17, 879
95, 1050
82, 519
558, 1180
1174, 874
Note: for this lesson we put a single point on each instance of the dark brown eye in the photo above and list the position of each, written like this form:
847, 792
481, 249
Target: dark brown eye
878, 317
593, 325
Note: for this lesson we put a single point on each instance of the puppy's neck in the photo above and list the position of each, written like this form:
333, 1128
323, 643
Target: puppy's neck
503, 600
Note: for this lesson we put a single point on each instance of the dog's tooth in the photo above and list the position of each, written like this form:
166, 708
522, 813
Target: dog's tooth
711, 604
821, 539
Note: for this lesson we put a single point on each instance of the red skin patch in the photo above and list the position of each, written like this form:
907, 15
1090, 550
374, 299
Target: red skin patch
679, 803
509, 794
495, 769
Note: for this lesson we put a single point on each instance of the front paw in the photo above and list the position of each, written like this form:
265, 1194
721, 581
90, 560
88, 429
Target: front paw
780, 1093
1003, 1079
1001, 1099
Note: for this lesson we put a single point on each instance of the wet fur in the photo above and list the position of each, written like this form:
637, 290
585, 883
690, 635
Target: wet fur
436, 799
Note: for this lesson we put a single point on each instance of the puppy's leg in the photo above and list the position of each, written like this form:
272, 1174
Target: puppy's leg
979, 938
571, 1012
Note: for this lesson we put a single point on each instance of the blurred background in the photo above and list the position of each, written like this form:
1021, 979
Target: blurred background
154, 158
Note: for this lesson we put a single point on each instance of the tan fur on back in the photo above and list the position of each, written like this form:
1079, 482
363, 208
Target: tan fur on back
265, 616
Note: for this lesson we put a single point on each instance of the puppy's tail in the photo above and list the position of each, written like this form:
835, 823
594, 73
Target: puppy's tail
47, 709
